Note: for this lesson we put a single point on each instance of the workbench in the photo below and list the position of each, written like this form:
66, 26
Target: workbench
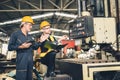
87, 69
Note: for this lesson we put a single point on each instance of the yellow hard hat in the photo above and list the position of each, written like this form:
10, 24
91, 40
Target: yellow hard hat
27, 19
44, 23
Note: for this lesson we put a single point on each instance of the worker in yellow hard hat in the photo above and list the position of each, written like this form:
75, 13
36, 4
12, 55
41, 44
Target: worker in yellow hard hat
44, 24
24, 44
47, 53
28, 19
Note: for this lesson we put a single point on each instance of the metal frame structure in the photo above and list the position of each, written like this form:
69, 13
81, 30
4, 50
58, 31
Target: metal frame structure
58, 5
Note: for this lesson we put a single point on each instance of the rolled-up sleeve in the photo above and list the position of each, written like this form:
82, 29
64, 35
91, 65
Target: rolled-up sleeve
36, 45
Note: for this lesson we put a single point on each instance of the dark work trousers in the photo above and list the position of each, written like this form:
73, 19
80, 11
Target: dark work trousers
24, 67
49, 60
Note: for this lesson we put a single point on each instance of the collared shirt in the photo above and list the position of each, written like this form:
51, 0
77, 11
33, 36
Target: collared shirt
17, 38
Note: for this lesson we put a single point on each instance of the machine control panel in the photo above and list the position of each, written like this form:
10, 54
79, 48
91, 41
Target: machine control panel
82, 27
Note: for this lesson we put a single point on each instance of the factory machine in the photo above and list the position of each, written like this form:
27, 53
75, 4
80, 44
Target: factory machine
99, 59
99, 42
94, 63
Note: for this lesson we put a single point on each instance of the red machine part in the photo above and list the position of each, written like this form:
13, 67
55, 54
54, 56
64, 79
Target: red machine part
70, 44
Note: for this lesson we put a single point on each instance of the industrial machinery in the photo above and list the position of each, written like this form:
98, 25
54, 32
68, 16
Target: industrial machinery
82, 27
103, 31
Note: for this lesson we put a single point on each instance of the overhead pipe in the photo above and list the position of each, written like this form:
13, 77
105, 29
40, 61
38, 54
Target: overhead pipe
84, 5
52, 29
65, 15
33, 17
79, 8
118, 24
40, 16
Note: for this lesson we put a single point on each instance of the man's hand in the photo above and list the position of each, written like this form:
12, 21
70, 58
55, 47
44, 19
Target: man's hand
64, 37
25, 45
43, 37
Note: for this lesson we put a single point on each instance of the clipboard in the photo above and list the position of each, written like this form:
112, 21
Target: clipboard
51, 45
